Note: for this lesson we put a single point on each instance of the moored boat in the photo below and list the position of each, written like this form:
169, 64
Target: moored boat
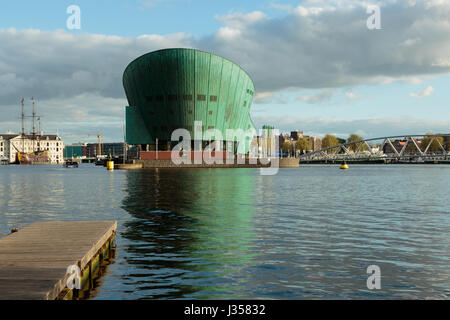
71, 164
37, 157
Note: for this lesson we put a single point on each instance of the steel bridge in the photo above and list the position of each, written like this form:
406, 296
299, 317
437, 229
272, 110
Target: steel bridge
394, 148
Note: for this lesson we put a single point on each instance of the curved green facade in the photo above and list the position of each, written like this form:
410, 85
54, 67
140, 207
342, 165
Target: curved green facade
170, 89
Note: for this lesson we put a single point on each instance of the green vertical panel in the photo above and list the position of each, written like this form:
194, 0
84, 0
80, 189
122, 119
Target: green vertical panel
164, 87
215, 77
151, 110
238, 101
139, 75
169, 81
249, 103
241, 109
136, 130
231, 95
222, 99
186, 67
179, 108
244, 104
202, 64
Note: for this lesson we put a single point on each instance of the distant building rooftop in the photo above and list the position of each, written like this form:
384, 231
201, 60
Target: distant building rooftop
9, 136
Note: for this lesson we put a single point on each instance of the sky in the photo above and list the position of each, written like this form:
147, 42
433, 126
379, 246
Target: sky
316, 64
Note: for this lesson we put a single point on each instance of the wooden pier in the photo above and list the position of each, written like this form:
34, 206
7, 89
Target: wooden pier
34, 260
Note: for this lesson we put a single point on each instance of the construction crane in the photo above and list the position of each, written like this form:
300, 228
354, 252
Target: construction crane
98, 135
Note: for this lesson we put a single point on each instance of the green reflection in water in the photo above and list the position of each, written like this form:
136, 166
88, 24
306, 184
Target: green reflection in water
203, 217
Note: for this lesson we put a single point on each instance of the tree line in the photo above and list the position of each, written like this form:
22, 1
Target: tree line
303, 145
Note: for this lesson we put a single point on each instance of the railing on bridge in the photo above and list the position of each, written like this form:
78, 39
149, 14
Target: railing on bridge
386, 148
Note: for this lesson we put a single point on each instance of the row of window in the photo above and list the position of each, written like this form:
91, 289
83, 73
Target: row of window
171, 112
174, 97
165, 128
185, 97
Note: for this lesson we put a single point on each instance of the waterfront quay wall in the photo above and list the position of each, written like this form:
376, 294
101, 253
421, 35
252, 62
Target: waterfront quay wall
164, 163
198, 159
375, 161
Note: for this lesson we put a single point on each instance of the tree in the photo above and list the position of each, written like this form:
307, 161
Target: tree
356, 146
447, 143
303, 145
286, 147
434, 144
411, 148
328, 141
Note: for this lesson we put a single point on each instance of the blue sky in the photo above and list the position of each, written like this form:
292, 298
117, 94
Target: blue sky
315, 64
130, 18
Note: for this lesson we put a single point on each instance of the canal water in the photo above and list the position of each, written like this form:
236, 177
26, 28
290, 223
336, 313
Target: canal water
306, 233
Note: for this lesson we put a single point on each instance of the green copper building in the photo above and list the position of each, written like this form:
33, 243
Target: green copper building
171, 88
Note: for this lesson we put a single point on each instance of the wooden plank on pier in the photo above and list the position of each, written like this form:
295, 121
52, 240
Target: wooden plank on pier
34, 260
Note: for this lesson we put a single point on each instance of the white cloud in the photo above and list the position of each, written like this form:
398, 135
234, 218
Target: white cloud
152, 3
351, 96
227, 33
321, 96
326, 46
239, 20
424, 93
372, 128
263, 97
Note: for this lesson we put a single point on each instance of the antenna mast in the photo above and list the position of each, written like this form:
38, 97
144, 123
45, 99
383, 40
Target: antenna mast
34, 125
23, 128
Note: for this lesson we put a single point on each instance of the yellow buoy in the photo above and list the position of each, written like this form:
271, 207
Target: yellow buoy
344, 166
110, 165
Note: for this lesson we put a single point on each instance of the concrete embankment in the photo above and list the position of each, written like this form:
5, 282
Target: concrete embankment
160, 163
289, 163
128, 166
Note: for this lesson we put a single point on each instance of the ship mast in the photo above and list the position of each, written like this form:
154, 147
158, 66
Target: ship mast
34, 125
39, 134
23, 128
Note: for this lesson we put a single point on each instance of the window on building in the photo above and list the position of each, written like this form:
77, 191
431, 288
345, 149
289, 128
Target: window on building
173, 97
187, 97
201, 97
213, 98
210, 113
160, 97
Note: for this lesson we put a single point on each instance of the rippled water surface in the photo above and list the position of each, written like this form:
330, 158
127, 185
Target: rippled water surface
306, 233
